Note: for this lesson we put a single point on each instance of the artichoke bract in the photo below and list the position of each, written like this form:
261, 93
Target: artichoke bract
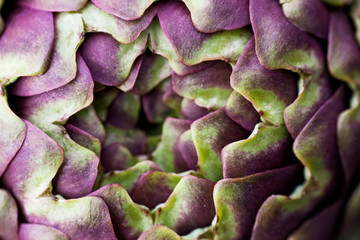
171, 119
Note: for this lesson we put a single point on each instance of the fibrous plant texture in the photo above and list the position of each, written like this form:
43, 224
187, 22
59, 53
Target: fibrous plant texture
169, 119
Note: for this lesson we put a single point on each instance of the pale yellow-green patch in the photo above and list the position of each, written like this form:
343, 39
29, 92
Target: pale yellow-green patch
318, 171
295, 205
256, 129
40, 179
58, 112
304, 197
136, 217
200, 233
265, 137
309, 95
294, 10
169, 179
300, 85
127, 178
66, 213
357, 26
267, 102
176, 204
158, 71
197, 10
307, 174
226, 224
163, 154
211, 132
13, 65
307, 98
127, 53
97, 20
315, 163
190, 172
69, 35
225, 45
197, 5
161, 69
5, 202
226, 195
186, 136
92, 144
78, 156
159, 44
298, 191
303, 59
211, 98
31, 55
354, 101
292, 59
209, 162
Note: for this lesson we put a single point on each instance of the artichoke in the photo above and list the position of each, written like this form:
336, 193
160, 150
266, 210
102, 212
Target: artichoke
171, 119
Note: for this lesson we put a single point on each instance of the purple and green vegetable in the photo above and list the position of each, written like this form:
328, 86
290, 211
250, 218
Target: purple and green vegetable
169, 119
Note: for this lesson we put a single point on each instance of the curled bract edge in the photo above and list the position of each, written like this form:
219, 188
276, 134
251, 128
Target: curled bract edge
179, 119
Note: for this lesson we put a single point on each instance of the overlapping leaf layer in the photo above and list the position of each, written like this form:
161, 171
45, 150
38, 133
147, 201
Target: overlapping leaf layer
172, 119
